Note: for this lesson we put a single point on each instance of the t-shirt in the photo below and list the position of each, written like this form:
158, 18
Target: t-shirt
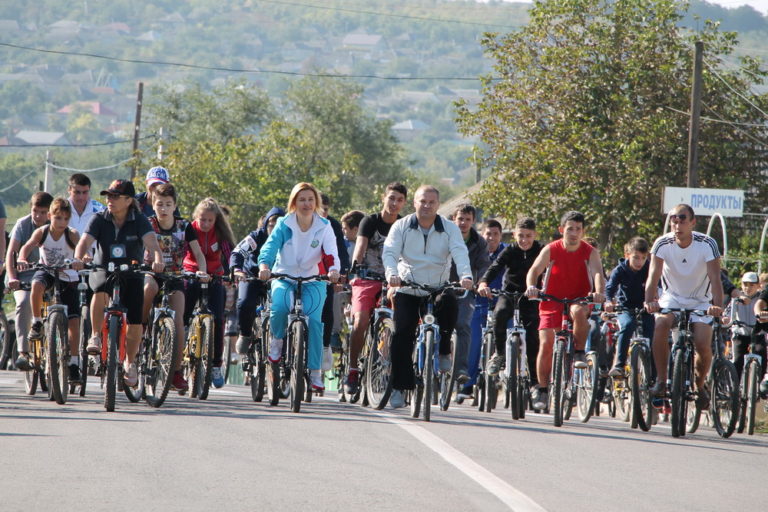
129, 237
56, 252
80, 222
375, 230
684, 275
174, 242
22, 231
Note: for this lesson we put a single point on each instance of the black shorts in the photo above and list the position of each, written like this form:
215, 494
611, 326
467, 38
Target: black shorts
131, 292
69, 296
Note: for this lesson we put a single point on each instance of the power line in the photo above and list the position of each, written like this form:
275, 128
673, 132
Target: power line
391, 15
712, 69
746, 134
734, 123
85, 171
232, 70
112, 143
9, 187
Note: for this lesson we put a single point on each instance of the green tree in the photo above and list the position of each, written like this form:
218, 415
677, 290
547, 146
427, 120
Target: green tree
578, 115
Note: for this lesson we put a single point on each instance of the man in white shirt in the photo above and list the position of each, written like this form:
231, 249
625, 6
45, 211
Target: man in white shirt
83, 207
688, 264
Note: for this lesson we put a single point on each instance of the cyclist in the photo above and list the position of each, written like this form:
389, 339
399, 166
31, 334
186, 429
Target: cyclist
743, 311
369, 245
301, 244
464, 217
155, 176
492, 232
244, 263
419, 248
176, 237
350, 225
3, 246
573, 270
120, 233
514, 263
83, 207
329, 315
761, 313
626, 288
215, 238
21, 232
57, 242
688, 264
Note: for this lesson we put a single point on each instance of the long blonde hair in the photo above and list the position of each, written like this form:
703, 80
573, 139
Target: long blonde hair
221, 225
301, 187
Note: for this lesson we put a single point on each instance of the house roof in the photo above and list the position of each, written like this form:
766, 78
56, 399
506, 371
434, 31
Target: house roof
361, 40
95, 107
37, 137
411, 125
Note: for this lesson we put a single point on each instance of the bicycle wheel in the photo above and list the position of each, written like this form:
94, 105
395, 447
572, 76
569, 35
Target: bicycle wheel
752, 389
640, 382
429, 373
161, 362
273, 383
257, 369
491, 381
57, 369
586, 392
136, 393
679, 401
5, 341
724, 402
378, 384
512, 377
557, 384
112, 349
447, 380
297, 345
417, 394
31, 377
203, 371
85, 333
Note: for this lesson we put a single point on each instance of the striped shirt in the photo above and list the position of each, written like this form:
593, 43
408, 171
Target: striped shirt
684, 274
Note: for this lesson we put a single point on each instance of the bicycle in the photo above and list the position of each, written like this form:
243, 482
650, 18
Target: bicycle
157, 357
197, 362
6, 340
640, 375
255, 363
749, 392
425, 354
297, 340
561, 384
54, 336
85, 333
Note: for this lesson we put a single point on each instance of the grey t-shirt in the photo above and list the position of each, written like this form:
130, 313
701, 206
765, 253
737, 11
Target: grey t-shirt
22, 231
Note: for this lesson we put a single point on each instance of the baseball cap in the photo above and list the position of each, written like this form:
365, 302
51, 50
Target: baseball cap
750, 277
158, 175
121, 187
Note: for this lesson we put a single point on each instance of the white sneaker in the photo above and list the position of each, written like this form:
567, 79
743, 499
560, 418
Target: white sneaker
130, 375
317, 377
327, 359
94, 346
396, 399
275, 350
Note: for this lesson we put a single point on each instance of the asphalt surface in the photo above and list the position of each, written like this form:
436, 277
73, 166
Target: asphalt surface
233, 453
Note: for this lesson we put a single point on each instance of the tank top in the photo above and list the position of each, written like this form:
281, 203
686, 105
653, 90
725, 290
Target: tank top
568, 275
54, 252
212, 250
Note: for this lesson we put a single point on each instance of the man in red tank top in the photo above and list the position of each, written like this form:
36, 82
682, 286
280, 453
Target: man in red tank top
573, 270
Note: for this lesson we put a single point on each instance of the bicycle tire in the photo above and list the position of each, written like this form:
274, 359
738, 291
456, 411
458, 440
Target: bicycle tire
257, 371
586, 393
622, 400
297, 344
417, 393
5, 341
491, 389
724, 401
30, 381
753, 377
112, 356
557, 381
85, 333
136, 393
378, 371
480, 394
56, 344
640, 385
429, 373
679, 403
273, 384
513, 377
204, 367
161, 361
446, 381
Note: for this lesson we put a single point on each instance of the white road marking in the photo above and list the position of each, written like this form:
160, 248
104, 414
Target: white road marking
510, 496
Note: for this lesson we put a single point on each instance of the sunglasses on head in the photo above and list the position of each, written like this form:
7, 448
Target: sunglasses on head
679, 217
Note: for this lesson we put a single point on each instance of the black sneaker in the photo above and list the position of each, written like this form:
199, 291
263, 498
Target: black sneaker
74, 373
702, 400
22, 362
35, 332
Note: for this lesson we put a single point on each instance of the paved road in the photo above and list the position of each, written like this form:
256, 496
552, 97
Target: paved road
231, 452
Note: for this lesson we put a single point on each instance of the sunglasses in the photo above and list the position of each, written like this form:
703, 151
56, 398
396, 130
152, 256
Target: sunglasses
681, 217
115, 196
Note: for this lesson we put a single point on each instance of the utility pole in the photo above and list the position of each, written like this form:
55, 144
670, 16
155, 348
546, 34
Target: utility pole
137, 128
48, 172
693, 129
478, 166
